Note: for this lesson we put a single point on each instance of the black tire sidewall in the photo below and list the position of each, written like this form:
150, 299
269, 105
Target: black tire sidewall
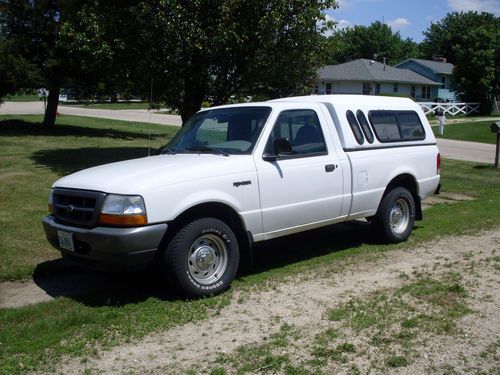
383, 217
177, 254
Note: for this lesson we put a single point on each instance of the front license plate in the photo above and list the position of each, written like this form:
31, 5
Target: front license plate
66, 240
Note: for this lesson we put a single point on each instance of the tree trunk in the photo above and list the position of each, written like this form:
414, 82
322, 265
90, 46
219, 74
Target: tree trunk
191, 103
49, 119
194, 89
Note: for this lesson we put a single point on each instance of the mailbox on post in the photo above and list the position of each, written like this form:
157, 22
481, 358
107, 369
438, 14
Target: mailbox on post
495, 128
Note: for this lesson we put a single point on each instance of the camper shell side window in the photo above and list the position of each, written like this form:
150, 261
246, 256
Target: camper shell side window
396, 126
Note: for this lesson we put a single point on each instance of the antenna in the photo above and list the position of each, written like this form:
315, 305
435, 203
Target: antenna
150, 109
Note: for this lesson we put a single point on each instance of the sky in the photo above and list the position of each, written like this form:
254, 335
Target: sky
410, 17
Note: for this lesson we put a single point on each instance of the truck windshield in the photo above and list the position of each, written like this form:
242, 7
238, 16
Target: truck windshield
221, 131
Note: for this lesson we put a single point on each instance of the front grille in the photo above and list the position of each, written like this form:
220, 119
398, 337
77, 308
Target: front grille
77, 207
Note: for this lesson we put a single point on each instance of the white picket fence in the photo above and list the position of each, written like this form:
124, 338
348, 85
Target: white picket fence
452, 109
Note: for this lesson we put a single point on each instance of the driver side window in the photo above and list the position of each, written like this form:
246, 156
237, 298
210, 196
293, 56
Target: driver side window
302, 129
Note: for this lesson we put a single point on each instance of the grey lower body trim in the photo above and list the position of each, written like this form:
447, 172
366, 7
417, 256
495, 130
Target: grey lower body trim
108, 248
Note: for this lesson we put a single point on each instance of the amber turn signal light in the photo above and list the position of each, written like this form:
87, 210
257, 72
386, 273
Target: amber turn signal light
123, 220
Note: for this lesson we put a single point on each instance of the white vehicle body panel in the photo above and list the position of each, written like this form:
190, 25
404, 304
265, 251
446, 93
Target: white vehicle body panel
171, 184
286, 195
312, 195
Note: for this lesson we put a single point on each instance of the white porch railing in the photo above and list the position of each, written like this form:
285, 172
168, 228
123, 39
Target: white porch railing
452, 109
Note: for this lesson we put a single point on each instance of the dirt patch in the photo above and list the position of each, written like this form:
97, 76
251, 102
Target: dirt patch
445, 198
63, 280
16, 294
303, 303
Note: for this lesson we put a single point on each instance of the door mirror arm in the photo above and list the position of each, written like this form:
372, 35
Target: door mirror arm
268, 156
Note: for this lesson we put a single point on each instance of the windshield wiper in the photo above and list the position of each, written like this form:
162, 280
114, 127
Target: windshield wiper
207, 149
166, 150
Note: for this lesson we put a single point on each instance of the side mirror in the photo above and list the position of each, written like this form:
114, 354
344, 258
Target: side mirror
281, 146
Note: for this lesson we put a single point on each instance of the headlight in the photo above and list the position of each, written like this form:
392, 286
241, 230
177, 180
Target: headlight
123, 211
51, 201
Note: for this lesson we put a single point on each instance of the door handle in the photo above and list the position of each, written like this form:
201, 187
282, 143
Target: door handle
329, 168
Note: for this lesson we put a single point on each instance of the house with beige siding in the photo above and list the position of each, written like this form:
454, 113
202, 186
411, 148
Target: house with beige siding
370, 77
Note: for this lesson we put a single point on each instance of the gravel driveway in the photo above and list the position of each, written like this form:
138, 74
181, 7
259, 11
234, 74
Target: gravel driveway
302, 305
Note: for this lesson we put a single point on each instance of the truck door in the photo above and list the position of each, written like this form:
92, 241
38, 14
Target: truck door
303, 188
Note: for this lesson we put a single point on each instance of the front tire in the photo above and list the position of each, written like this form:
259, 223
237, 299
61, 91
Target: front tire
395, 217
202, 258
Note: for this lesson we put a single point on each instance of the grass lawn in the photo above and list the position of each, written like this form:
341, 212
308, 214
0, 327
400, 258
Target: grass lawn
120, 105
23, 98
36, 337
472, 131
31, 160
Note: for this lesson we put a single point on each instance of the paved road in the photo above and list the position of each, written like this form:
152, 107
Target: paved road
460, 120
139, 115
460, 150
468, 151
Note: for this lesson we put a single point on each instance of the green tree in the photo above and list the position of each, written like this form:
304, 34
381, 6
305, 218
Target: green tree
471, 41
205, 49
14, 71
376, 41
104, 35
30, 45
215, 49
191, 50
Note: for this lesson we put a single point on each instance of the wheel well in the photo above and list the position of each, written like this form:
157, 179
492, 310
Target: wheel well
219, 211
408, 182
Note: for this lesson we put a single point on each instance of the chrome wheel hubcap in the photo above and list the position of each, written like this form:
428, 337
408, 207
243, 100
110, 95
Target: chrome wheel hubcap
400, 216
207, 259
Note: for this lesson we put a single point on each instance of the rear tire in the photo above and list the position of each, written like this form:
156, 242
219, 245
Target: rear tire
395, 217
202, 258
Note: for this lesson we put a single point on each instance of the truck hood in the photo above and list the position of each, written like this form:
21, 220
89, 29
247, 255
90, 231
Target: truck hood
137, 175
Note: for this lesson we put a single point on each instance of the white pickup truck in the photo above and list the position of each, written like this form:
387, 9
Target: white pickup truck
238, 174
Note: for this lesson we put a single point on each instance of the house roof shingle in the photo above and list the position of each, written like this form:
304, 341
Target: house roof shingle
372, 71
436, 66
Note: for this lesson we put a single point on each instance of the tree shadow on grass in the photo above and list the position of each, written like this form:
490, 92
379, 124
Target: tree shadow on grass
485, 166
58, 278
66, 161
16, 127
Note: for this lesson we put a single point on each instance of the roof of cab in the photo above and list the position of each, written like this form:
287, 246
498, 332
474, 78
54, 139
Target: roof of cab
349, 100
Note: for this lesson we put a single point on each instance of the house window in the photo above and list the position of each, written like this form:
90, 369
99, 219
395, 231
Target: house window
328, 88
412, 93
377, 88
426, 92
367, 89
316, 89
443, 82
395, 87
